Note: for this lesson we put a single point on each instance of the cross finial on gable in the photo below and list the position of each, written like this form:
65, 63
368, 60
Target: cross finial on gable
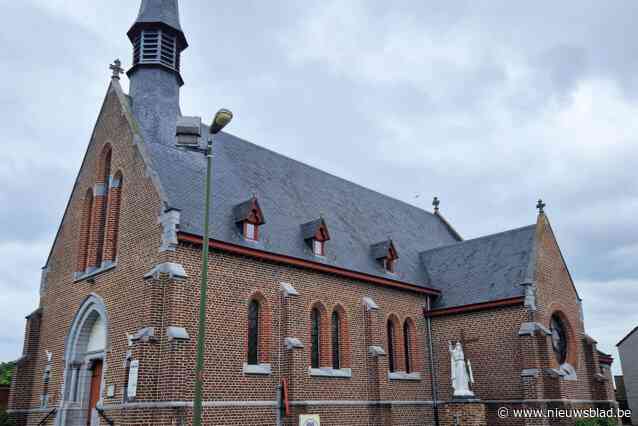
540, 206
117, 69
436, 203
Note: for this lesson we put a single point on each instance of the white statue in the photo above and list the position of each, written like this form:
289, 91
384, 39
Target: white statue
461, 371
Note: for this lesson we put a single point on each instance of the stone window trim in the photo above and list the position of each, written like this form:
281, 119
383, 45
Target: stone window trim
572, 356
262, 369
92, 273
402, 375
341, 373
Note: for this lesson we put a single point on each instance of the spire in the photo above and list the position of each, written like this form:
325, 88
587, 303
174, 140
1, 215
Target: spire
158, 41
157, 36
163, 12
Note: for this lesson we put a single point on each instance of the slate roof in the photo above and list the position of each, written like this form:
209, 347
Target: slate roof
160, 11
291, 194
309, 230
483, 269
627, 336
164, 12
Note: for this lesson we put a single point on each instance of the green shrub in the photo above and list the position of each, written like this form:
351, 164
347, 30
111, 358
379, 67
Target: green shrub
6, 372
4, 419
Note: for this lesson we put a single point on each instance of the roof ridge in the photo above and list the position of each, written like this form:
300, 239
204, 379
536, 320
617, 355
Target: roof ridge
472, 240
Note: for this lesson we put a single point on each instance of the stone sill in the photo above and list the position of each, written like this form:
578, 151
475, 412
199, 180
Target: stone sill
257, 369
81, 276
402, 375
342, 373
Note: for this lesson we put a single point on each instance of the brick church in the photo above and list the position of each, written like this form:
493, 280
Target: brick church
328, 303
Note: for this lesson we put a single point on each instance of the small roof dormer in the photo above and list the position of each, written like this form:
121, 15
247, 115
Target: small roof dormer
315, 234
249, 217
385, 253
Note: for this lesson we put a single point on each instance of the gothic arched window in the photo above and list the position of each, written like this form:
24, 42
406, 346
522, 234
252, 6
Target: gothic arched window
113, 217
315, 338
559, 338
253, 332
103, 179
336, 340
391, 346
408, 345
85, 231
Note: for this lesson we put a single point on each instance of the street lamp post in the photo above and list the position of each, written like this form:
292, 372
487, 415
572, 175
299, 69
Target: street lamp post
222, 118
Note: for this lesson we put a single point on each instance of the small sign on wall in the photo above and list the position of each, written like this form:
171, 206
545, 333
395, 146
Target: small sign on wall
131, 391
309, 420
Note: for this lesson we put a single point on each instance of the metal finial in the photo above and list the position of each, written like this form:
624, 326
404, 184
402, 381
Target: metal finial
117, 69
540, 206
436, 203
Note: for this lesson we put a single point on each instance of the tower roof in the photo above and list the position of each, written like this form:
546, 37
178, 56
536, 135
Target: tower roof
162, 12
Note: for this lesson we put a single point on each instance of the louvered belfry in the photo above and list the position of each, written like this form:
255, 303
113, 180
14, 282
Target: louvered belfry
157, 36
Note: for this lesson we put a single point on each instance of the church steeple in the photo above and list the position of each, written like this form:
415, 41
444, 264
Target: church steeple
158, 41
157, 36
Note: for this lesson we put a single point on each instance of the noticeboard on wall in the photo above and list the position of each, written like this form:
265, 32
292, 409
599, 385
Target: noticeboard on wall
309, 420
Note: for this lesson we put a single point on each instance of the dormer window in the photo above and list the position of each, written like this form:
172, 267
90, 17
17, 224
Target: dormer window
386, 254
249, 217
315, 234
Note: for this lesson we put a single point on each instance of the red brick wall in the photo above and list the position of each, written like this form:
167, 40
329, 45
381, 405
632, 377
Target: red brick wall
495, 357
128, 297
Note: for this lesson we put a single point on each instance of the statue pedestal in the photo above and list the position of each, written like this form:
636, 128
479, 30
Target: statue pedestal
466, 411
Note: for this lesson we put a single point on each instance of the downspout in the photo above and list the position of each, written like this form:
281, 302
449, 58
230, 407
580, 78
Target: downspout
435, 390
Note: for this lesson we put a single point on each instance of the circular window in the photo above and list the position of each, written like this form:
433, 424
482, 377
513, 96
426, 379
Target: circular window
559, 338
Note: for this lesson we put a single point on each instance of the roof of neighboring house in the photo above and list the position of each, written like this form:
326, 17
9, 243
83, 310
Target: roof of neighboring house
484, 269
627, 336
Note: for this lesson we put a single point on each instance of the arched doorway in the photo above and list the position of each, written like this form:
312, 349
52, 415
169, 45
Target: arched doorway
85, 350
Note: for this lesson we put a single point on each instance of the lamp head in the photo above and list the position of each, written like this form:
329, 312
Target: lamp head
221, 120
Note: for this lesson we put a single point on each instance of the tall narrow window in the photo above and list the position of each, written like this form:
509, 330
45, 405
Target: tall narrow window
408, 346
85, 232
391, 348
113, 218
336, 341
315, 317
253, 332
103, 205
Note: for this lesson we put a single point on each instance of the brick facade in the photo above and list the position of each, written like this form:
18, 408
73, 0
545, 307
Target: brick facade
112, 247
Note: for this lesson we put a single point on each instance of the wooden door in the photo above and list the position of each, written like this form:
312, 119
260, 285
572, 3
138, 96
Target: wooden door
96, 381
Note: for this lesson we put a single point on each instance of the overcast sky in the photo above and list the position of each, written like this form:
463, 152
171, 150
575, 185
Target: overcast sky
487, 104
